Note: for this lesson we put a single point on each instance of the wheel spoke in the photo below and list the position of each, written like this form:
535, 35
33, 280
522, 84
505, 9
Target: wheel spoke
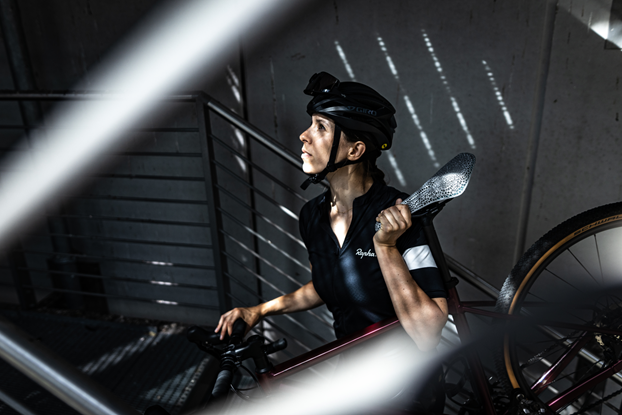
600, 264
583, 266
571, 358
561, 279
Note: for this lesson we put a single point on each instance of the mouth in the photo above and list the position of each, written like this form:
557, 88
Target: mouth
305, 154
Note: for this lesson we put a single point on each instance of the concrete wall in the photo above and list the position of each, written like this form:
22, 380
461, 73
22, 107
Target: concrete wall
464, 76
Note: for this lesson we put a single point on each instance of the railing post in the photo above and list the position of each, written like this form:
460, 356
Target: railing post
213, 199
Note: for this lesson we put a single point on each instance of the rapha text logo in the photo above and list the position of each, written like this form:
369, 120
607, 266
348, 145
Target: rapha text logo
360, 253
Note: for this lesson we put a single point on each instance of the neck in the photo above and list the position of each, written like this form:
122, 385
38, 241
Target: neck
346, 184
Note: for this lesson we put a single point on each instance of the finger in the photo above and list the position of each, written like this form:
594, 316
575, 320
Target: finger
405, 213
398, 202
396, 218
225, 328
223, 331
403, 210
219, 324
387, 220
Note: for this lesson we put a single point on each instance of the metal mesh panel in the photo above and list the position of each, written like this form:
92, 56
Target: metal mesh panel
141, 364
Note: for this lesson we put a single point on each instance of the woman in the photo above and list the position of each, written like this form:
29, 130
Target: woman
361, 275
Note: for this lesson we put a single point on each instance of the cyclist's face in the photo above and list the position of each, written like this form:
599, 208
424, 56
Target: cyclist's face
317, 141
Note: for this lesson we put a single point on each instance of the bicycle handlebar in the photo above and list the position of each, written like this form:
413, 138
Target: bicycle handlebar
235, 350
238, 331
276, 346
223, 381
199, 336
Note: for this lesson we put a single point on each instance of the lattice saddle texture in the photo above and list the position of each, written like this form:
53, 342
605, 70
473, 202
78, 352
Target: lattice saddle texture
448, 183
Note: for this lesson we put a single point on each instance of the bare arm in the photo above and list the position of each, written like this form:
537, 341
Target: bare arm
422, 317
302, 299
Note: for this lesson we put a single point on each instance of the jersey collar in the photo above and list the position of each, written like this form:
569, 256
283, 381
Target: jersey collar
362, 200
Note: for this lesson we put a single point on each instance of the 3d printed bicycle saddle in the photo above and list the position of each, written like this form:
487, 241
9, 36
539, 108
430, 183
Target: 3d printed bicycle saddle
448, 183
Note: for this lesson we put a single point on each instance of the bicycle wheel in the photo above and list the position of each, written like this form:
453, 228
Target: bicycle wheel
563, 364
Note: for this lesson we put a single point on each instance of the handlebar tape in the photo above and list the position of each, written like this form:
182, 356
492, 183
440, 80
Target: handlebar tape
221, 387
198, 335
276, 346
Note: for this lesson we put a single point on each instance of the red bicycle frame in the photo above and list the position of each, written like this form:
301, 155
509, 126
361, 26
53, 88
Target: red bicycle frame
458, 309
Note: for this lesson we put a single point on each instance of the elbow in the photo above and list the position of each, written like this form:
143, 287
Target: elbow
426, 331
427, 343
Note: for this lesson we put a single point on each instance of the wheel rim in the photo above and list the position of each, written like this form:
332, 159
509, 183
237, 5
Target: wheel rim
598, 230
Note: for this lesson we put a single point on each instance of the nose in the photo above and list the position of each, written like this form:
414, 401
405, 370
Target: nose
304, 136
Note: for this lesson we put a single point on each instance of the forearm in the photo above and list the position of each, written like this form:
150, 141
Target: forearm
302, 299
422, 317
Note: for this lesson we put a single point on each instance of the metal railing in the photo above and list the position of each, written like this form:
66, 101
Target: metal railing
248, 231
247, 226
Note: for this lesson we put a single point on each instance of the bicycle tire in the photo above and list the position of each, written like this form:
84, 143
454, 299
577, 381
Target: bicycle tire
565, 258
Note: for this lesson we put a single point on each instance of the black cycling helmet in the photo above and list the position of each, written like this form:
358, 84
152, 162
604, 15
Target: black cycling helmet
354, 107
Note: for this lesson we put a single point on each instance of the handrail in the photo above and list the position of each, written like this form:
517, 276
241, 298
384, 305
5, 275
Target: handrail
56, 375
250, 129
9, 95
253, 131
27, 357
471, 277
208, 100
240, 123
16, 405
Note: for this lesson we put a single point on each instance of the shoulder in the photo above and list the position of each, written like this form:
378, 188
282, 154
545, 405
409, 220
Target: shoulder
310, 215
311, 207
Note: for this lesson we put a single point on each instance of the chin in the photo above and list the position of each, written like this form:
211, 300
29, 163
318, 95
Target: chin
308, 169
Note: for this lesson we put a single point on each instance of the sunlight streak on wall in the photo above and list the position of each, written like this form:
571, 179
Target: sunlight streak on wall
398, 172
504, 108
234, 83
424, 136
383, 47
411, 109
239, 145
342, 55
454, 103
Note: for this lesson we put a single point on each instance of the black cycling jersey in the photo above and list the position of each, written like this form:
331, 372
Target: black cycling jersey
348, 279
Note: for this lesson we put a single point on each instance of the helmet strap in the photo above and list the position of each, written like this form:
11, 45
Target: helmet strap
331, 166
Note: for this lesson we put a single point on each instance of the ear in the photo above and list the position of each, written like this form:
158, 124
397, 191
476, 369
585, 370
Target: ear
356, 151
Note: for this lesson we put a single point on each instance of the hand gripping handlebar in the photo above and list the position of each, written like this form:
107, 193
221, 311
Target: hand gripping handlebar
234, 352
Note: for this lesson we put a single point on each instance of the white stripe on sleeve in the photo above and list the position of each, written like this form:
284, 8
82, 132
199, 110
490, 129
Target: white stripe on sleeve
419, 257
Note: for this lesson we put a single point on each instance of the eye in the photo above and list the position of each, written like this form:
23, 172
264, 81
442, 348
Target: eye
321, 126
